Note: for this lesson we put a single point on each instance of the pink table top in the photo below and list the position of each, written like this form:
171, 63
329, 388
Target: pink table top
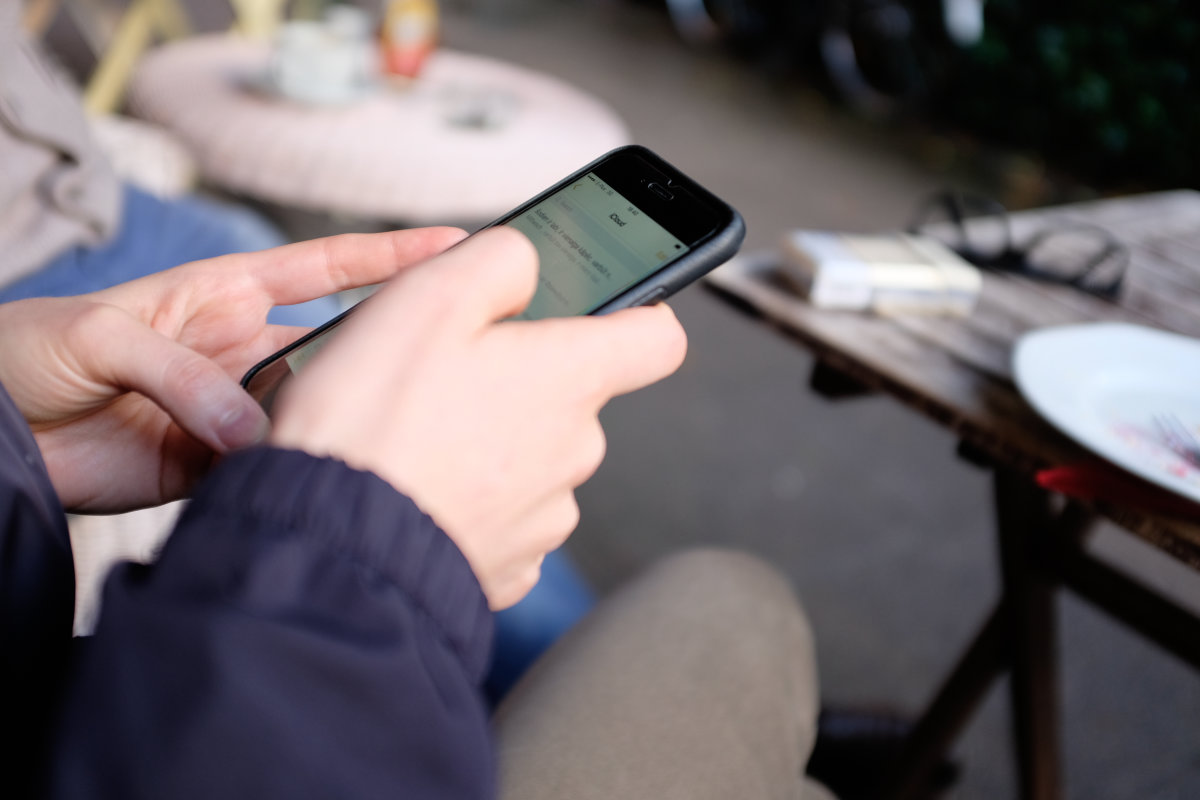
394, 155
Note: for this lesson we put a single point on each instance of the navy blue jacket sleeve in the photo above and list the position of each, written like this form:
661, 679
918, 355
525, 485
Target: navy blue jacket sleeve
37, 600
306, 632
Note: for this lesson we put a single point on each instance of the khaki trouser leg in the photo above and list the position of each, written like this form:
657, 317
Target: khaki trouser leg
696, 681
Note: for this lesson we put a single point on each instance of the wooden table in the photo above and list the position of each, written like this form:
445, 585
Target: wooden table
402, 154
957, 372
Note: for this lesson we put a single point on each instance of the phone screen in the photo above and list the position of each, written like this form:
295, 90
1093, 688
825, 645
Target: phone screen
593, 243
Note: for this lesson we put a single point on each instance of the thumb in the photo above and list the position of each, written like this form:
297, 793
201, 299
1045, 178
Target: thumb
495, 273
196, 393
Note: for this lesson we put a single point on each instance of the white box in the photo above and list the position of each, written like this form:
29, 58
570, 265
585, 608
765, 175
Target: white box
893, 273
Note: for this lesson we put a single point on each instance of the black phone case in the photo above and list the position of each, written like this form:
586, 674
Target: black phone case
699, 261
709, 255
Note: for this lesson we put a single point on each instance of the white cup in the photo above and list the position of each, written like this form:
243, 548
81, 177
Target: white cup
348, 22
313, 63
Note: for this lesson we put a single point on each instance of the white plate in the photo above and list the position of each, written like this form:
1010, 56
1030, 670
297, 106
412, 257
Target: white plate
1105, 384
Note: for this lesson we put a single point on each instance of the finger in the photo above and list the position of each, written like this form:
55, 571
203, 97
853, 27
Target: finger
507, 590
277, 337
194, 391
305, 271
489, 276
541, 527
552, 523
616, 353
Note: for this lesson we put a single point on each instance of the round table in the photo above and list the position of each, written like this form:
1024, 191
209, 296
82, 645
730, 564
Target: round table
397, 153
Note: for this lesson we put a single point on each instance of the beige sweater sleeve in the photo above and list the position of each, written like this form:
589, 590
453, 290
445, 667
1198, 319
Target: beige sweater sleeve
56, 188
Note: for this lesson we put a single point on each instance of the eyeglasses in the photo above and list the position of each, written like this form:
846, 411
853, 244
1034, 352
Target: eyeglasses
978, 229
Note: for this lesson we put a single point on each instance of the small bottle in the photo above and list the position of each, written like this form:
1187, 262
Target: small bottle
408, 35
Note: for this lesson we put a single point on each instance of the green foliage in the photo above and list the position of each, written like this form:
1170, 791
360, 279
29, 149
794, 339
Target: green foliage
1109, 89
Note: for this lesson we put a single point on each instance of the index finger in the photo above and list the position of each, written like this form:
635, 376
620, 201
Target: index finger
303, 271
488, 277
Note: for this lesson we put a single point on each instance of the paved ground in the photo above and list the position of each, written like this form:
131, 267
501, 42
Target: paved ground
884, 531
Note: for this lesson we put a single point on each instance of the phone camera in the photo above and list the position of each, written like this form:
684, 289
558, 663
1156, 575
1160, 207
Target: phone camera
661, 191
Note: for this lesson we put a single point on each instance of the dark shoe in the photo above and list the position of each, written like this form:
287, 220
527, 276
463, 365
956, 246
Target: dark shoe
856, 749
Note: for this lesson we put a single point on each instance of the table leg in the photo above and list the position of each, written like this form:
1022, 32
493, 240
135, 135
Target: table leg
1025, 522
950, 711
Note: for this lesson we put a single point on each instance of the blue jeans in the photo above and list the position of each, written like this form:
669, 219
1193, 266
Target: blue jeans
159, 234
559, 600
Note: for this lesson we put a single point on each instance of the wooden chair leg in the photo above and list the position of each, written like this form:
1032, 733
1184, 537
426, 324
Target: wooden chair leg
141, 22
257, 18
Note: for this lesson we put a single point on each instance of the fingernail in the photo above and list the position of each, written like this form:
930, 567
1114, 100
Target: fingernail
243, 425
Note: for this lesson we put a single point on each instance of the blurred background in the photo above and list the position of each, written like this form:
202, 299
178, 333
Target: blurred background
842, 115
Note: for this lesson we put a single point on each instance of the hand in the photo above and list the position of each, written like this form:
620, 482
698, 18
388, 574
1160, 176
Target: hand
487, 425
131, 391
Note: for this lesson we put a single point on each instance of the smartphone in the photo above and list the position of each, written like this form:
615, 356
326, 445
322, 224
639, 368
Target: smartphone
626, 230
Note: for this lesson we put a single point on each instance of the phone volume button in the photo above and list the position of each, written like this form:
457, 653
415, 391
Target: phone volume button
653, 297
